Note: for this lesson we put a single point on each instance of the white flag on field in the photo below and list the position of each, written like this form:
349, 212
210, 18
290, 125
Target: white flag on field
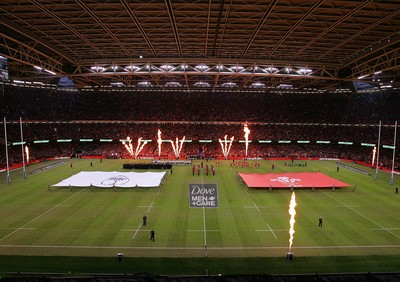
113, 179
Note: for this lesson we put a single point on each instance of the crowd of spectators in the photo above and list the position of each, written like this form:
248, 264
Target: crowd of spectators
104, 139
44, 104
56, 115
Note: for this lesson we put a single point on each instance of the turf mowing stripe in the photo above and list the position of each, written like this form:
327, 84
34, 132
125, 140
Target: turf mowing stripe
49, 210
383, 228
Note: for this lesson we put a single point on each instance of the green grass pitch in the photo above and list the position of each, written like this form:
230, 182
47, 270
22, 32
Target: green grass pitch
250, 226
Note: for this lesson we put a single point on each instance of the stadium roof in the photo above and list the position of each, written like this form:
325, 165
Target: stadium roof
229, 44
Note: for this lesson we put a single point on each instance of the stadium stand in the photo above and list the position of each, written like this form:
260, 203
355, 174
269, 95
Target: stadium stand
199, 116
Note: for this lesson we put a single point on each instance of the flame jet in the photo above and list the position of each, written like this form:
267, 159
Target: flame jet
177, 147
373, 155
226, 145
292, 212
27, 153
159, 141
139, 147
128, 145
246, 136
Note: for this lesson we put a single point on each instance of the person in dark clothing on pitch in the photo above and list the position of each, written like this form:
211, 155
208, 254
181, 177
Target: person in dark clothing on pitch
152, 234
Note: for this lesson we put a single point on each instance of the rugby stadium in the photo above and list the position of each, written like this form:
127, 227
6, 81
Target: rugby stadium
199, 140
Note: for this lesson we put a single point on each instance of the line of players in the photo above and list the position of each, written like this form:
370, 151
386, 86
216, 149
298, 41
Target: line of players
200, 166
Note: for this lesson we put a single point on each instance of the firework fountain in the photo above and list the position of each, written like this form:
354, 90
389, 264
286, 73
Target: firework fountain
140, 146
177, 147
128, 146
246, 136
27, 154
159, 142
226, 145
292, 212
373, 155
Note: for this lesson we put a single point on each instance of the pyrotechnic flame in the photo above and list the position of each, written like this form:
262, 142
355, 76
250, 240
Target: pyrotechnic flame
373, 155
177, 147
223, 146
27, 153
159, 141
139, 146
226, 145
230, 145
292, 212
131, 148
246, 136
128, 145
137, 151
173, 146
181, 145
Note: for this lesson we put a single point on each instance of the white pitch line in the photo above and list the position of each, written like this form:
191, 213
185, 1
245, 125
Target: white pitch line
10, 228
199, 248
273, 233
204, 217
49, 210
274, 230
131, 230
252, 207
256, 207
150, 207
363, 216
201, 230
379, 229
204, 212
137, 230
